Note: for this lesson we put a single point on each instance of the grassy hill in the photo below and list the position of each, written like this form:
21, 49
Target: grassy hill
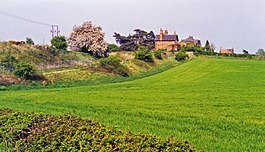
42, 58
215, 104
65, 67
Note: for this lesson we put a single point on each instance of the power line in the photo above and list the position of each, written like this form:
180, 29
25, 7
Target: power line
22, 18
55, 28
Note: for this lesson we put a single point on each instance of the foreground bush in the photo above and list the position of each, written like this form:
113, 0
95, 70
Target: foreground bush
113, 64
27, 131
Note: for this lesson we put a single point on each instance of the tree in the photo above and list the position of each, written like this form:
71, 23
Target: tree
260, 52
207, 44
89, 38
133, 42
59, 42
143, 53
245, 52
29, 41
209, 47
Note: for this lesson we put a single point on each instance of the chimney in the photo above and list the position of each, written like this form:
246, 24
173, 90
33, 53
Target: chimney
161, 34
166, 32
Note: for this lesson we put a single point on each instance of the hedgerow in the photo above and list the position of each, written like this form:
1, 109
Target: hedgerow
28, 131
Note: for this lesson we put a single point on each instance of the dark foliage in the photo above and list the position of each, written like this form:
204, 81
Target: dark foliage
25, 70
207, 45
132, 42
245, 52
29, 41
249, 56
29, 131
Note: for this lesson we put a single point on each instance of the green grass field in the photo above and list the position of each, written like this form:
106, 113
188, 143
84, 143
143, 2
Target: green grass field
215, 104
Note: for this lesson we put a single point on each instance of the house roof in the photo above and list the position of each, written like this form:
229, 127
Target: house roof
191, 39
222, 49
167, 38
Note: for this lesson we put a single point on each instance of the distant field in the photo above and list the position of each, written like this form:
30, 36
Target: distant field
215, 104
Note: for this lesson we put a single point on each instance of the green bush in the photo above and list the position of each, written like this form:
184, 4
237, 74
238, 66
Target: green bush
113, 64
24, 70
113, 48
29, 41
28, 131
158, 54
181, 56
8, 61
59, 43
143, 53
3, 88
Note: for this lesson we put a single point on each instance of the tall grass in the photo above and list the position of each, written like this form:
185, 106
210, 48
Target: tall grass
95, 81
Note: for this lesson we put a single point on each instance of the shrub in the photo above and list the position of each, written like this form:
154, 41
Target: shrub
24, 70
181, 56
28, 131
3, 88
143, 53
59, 43
8, 61
29, 41
113, 48
113, 64
158, 54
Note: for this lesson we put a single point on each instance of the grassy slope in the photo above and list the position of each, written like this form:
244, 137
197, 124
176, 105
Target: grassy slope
215, 104
66, 67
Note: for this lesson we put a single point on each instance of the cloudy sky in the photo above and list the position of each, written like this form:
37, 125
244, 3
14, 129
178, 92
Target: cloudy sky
225, 23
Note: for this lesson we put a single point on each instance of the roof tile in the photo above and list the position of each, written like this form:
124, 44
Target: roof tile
167, 38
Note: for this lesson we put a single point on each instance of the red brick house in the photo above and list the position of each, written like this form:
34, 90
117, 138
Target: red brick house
227, 51
190, 41
166, 41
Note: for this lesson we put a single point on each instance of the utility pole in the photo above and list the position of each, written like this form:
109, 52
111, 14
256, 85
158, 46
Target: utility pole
52, 31
55, 30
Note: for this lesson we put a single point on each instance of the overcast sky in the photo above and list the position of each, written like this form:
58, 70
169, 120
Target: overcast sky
225, 23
